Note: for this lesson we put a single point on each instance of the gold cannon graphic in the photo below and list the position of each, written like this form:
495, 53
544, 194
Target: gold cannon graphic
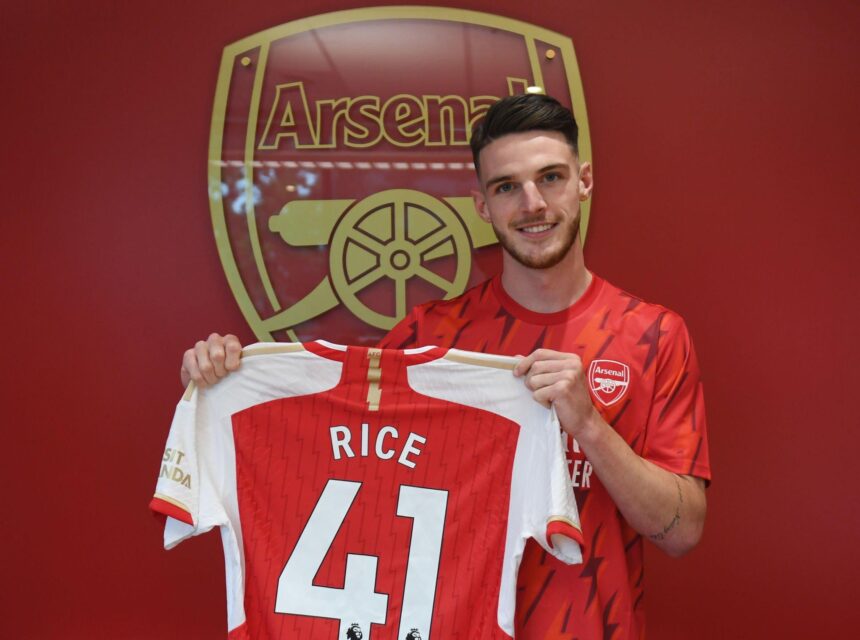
395, 234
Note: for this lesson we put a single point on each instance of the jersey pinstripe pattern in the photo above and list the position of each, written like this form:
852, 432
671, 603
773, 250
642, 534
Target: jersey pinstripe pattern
369, 489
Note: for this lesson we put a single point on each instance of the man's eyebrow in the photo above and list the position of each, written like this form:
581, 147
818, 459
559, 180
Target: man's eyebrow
492, 181
553, 167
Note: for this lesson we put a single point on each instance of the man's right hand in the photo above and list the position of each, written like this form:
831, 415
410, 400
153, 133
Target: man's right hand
207, 362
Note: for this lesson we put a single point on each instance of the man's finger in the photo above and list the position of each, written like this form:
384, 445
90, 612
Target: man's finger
543, 396
538, 355
233, 348
535, 381
526, 363
554, 365
548, 394
204, 365
189, 370
217, 355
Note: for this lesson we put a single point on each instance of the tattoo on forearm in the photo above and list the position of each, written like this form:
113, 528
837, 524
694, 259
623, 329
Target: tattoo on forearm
677, 517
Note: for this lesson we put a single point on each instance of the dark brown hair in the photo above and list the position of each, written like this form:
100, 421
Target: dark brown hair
520, 113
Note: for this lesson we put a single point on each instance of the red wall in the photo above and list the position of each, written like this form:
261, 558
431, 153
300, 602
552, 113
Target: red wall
725, 139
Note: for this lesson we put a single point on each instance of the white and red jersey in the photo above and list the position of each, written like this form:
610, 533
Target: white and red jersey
369, 493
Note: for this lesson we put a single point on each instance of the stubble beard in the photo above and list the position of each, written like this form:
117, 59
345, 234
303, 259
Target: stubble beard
545, 260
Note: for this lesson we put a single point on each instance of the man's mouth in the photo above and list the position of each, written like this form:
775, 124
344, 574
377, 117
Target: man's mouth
536, 228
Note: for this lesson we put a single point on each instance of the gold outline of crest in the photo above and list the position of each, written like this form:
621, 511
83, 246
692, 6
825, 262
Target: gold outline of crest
261, 40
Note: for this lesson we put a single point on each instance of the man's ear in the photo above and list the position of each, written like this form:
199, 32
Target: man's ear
586, 181
480, 204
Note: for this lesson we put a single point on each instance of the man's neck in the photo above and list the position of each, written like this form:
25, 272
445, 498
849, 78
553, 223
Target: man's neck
547, 290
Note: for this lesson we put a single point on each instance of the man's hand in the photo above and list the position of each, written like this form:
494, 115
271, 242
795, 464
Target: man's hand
558, 379
207, 362
667, 507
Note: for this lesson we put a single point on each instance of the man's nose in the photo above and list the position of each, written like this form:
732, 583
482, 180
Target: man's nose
533, 201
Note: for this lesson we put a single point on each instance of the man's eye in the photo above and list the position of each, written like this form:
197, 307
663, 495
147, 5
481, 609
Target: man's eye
505, 187
551, 177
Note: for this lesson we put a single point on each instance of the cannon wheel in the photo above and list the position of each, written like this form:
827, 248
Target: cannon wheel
394, 234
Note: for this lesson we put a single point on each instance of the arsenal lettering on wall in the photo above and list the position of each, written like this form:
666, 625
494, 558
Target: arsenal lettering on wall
339, 167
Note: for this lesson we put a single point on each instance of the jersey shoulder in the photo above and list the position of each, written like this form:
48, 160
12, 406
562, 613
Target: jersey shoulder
621, 310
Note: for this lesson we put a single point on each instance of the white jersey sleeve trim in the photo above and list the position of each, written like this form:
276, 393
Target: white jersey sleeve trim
200, 455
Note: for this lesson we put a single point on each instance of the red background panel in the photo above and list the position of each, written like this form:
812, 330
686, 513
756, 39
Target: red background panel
725, 140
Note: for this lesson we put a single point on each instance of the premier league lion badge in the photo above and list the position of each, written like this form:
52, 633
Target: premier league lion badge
339, 166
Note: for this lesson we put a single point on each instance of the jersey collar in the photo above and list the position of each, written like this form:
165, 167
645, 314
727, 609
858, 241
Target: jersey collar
556, 317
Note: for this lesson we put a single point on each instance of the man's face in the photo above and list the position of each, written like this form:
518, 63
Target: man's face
531, 187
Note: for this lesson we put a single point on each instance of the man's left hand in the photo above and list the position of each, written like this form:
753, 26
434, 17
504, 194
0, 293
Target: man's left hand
558, 379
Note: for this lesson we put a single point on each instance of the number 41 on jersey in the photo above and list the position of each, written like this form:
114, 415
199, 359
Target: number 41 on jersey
358, 604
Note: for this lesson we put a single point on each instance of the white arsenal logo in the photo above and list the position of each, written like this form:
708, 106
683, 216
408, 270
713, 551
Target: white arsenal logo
608, 380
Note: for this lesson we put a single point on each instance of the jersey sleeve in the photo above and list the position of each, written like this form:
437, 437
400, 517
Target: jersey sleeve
542, 504
552, 517
184, 491
676, 433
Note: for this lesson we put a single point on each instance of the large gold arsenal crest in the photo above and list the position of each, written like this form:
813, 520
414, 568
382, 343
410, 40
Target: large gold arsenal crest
339, 165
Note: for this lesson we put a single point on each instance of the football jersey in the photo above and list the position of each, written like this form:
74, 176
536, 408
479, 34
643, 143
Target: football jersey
643, 377
368, 493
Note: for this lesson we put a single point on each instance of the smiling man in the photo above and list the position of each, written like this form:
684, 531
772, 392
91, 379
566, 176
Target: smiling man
621, 374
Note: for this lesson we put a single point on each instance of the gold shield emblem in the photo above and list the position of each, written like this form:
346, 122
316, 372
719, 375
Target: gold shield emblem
339, 166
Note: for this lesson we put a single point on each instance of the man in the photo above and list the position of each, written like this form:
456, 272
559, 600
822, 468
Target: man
621, 374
